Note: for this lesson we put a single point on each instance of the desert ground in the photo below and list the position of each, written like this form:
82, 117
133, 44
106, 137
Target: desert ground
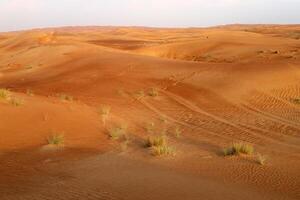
82, 108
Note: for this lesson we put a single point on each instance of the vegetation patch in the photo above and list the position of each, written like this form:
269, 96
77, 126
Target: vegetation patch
16, 102
296, 100
104, 112
116, 133
65, 97
155, 141
56, 139
4, 94
159, 146
261, 159
153, 92
163, 150
238, 148
178, 132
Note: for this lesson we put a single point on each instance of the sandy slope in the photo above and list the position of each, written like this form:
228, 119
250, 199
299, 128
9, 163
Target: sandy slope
219, 85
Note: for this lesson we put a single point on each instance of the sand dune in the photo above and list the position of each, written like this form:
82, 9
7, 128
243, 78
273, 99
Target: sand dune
217, 85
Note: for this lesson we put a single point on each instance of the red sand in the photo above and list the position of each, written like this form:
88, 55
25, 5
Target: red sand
219, 85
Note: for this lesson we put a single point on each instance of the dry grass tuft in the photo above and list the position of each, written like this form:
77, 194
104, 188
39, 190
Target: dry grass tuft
16, 102
238, 148
116, 133
178, 132
159, 146
56, 139
29, 92
65, 97
261, 159
104, 112
153, 92
4, 94
163, 150
155, 141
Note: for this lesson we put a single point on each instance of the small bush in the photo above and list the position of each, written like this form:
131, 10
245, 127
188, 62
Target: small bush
238, 148
163, 150
65, 97
261, 159
156, 141
153, 92
104, 112
16, 102
116, 132
29, 92
178, 132
296, 100
4, 94
56, 139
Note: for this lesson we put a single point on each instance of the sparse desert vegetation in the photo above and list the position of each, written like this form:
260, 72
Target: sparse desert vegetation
16, 101
177, 132
159, 145
238, 148
261, 159
56, 139
153, 92
104, 112
29, 92
190, 93
4, 94
117, 132
66, 97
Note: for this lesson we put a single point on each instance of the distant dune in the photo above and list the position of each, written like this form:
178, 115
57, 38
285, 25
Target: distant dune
105, 90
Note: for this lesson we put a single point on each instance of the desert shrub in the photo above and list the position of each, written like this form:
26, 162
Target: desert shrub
238, 148
155, 141
56, 139
153, 92
65, 97
163, 150
261, 159
117, 132
178, 132
159, 146
296, 100
104, 112
16, 102
4, 94
29, 92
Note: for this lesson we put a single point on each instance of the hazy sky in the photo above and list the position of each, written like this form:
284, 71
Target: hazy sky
24, 14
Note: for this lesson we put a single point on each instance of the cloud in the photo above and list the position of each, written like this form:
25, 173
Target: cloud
19, 14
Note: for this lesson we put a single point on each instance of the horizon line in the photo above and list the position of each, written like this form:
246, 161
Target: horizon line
149, 27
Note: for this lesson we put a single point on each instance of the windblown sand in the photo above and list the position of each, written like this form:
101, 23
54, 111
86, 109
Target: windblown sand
217, 85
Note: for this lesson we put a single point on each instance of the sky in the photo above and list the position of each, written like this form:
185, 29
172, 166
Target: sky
28, 14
